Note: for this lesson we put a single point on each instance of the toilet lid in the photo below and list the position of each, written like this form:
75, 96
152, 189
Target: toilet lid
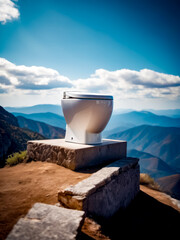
79, 95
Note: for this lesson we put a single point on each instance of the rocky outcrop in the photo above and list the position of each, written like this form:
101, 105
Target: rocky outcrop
48, 222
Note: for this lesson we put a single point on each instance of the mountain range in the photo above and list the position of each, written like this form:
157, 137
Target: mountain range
152, 165
44, 129
15, 132
154, 139
175, 113
46, 117
162, 142
40, 108
121, 120
158, 149
166, 177
12, 137
135, 118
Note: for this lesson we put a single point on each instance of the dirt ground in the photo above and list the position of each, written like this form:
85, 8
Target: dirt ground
25, 184
21, 186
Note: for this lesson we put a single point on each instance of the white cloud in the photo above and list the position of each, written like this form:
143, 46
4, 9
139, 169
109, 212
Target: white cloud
127, 83
43, 85
30, 78
8, 11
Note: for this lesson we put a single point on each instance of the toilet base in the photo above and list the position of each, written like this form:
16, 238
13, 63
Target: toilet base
82, 137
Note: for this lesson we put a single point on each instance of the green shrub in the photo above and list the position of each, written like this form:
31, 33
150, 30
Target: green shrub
16, 158
147, 180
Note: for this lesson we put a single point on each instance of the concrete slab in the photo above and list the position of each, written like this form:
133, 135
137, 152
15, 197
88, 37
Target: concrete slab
76, 156
48, 222
106, 191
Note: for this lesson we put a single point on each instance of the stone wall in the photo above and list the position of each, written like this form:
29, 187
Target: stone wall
106, 191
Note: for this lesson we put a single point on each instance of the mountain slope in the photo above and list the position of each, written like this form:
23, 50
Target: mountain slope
135, 118
48, 117
44, 129
162, 142
12, 137
170, 185
164, 175
8, 117
40, 108
151, 165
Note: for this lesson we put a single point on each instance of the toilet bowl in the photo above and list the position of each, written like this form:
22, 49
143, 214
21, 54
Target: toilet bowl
86, 116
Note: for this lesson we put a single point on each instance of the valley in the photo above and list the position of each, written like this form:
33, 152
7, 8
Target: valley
154, 139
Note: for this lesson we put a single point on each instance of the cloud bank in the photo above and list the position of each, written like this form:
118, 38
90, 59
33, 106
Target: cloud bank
8, 11
30, 78
123, 84
127, 83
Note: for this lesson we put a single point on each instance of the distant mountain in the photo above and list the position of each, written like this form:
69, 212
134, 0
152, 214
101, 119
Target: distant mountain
41, 108
164, 175
48, 117
162, 142
135, 118
12, 137
123, 127
44, 129
170, 185
58, 110
151, 165
175, 113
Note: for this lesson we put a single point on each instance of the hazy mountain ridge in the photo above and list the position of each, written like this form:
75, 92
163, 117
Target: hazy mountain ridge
152, 165
121, 119
46, 117
162, 142
135, 118
44, 129
40, 108
58, 110
174, 113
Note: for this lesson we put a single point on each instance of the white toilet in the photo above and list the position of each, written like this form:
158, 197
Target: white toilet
86, 116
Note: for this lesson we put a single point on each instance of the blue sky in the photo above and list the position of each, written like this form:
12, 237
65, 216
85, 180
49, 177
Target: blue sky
76, 38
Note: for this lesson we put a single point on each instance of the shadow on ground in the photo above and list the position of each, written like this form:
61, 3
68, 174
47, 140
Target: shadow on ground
145, 217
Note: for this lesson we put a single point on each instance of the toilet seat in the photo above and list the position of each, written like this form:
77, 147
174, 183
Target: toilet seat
81, 95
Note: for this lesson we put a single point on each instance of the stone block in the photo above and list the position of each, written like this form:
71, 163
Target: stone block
48, 222
76, 156
106, 191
